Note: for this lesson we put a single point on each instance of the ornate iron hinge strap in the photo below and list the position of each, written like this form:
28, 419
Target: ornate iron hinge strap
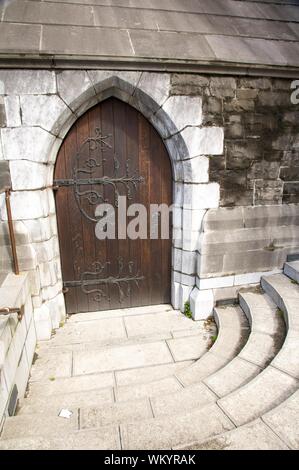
93, 281
128, 181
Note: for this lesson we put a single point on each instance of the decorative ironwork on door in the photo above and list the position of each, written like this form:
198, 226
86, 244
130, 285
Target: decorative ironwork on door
82, 176
96, 281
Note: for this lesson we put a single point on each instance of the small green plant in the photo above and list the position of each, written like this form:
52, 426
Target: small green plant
52, 378
279, 312
187, 310
293, 281
212, 341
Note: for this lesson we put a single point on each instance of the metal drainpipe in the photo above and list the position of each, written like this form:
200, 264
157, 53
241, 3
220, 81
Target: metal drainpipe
11, 231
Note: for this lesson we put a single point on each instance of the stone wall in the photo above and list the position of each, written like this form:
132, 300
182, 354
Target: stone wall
260, 162
17, 338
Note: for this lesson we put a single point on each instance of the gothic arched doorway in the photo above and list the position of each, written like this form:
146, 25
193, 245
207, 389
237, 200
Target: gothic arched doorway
111, 150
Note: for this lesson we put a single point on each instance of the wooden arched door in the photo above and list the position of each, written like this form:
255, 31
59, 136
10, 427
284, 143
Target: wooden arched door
112, 149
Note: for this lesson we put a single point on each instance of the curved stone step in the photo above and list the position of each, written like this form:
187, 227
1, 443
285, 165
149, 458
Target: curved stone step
252, 436
284, 420
285, 294
265, 340
273, 385
171, 431
277, 429
291, 269
264, 392
233, 331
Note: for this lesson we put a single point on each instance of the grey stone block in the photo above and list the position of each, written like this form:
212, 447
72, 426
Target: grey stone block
5, 181
18, 38
163, 45
23, 82
69, 40
18, 12
2, 113
223, 218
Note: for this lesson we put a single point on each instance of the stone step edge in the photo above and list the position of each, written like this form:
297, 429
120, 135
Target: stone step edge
212, 350
291, 271
217, 402
277, 298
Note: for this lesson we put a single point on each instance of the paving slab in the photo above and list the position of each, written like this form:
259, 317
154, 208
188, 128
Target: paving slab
162, 386
118, 358
37, 425
100, 439
96, 417
159, 322
253, 436
79, 383
170, 431
187, 348
187, 399
53, 404
149, 374
235, 374
60, 347
263, 393
100, 331
284, 421
52, 366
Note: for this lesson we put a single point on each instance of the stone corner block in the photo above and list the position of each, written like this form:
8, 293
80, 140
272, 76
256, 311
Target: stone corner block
43, 323
203, 141
75, 88
201, 303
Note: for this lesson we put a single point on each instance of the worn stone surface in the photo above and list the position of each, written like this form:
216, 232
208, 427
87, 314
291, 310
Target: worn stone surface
168, 432
282, 419
254, 436
272, 385
97, 417
191, 347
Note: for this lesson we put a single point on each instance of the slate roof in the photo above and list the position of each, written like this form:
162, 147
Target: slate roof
255, 35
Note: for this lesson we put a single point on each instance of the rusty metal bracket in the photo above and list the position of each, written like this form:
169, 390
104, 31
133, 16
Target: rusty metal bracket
11, 231
9, 311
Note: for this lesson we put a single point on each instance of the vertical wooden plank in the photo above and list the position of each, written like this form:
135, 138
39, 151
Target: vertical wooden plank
133, 156
63, 223
144, 167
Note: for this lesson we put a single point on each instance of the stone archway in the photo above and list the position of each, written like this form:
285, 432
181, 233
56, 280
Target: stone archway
52, 109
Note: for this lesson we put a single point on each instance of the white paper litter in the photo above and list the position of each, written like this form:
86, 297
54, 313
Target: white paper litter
64, 413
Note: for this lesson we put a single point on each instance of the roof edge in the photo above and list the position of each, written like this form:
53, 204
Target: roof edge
150, 65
